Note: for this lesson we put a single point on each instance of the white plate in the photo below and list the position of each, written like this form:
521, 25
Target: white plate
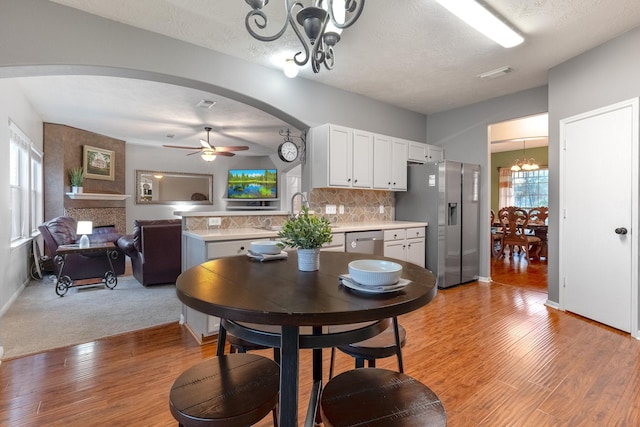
346, 280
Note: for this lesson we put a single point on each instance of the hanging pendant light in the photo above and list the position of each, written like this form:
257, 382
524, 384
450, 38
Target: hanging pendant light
525, 164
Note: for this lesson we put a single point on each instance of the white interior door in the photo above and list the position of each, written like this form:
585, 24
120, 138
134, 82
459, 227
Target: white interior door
599, 198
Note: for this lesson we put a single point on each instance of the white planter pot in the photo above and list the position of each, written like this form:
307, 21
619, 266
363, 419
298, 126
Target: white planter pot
309, 259
76, 190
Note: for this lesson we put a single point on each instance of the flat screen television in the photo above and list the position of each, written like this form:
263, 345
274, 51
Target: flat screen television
252, 184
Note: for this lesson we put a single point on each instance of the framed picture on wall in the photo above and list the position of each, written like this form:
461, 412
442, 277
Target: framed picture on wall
98, 163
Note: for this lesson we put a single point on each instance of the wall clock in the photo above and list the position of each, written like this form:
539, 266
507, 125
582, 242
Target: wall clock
288, 151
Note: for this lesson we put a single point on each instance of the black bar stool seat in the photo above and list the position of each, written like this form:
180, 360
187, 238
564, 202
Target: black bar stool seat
380, 346
234, 390
375, 397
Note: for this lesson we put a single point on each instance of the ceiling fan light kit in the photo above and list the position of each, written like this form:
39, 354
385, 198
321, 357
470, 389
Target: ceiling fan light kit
209, 152
322, 22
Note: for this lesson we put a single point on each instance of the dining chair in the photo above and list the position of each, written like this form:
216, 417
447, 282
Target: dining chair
377, 397
538, 227
386, 344
496, 235
514, 222
214, 393
539, 215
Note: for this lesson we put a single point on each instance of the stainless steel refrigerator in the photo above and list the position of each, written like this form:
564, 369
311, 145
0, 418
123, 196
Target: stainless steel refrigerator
446, 195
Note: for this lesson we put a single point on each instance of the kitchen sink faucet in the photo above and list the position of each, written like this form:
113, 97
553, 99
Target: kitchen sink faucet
303, 199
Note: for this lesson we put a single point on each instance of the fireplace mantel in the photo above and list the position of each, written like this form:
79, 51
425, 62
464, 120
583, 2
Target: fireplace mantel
97, 196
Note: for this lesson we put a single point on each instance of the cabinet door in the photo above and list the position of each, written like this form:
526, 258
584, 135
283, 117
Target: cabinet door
417, 152
362, 158
399, 165
228, 248
381, 165
340, 161
416, 251
436, 154
395, 249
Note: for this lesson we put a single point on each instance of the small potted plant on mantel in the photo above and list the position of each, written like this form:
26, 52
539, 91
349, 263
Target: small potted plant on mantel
76, 178
307, 233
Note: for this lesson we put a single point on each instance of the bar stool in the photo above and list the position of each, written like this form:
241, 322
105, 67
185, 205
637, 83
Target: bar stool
379, 398
234, 390
239, 345
385, 344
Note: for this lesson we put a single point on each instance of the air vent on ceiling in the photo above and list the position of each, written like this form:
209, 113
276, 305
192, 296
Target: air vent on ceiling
498, 72
206, 104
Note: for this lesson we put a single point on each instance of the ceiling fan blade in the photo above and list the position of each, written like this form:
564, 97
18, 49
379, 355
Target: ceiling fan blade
234, 148
180, 146
205, 144
195, 152
224, 153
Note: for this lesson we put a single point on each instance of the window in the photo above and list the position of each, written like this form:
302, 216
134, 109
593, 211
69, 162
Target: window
524, 189
25, 180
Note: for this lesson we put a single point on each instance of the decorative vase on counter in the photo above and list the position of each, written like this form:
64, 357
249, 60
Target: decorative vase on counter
309, 259
76, 190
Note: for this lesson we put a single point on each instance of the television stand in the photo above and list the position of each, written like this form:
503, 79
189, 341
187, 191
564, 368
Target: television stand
253, 204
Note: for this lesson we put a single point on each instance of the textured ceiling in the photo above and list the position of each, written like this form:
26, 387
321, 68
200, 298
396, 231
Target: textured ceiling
409, 53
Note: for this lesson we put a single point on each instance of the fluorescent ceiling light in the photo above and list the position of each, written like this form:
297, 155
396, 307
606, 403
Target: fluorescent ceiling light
484, 21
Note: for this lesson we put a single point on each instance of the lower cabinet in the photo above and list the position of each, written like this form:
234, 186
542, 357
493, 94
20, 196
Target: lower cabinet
201, 325
196, 251
406, 244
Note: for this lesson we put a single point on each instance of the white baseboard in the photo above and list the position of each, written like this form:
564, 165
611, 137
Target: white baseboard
552, 304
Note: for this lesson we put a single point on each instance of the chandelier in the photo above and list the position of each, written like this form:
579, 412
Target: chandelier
525, 164
322, 24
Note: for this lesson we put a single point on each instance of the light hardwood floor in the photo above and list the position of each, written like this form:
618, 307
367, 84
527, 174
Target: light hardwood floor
494, 354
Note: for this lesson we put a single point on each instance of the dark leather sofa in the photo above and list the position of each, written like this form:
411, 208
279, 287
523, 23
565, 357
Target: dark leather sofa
155, 249
62, 231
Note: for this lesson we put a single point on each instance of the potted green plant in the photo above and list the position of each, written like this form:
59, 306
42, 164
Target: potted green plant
307, 233
76, 178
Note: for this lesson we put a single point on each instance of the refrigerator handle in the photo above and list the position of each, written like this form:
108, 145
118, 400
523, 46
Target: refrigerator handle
452, 214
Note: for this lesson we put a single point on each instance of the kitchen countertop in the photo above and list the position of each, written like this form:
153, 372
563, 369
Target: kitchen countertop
223, 234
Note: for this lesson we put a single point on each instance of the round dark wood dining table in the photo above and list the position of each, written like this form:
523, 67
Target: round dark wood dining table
275, 292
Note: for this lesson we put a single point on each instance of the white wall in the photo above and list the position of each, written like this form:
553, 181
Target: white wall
602, 76
13, 262
140, 157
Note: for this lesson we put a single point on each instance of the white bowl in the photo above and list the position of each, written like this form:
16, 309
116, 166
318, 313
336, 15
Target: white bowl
267, 247
373, 272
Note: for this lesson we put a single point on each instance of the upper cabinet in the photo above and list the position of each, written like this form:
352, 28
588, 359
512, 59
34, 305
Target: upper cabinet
424, 153
342, 157
389, 163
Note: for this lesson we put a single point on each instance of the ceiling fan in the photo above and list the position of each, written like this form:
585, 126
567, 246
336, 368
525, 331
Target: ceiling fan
208, 151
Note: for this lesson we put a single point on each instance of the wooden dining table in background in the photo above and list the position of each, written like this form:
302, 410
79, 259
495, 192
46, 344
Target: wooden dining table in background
238, 289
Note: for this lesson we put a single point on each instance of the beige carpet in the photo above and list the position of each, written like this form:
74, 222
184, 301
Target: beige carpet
40, 320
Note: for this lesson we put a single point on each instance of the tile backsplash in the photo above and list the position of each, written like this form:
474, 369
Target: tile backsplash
359, 206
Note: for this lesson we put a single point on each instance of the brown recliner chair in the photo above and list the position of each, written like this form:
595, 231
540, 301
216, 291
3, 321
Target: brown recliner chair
62, 231
155, 249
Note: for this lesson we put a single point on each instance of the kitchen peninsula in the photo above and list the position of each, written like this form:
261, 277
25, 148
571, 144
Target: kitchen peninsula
202, 242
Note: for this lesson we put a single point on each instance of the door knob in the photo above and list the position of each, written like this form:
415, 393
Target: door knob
621, 230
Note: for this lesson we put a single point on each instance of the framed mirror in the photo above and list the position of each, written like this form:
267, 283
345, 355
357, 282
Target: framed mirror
168, 188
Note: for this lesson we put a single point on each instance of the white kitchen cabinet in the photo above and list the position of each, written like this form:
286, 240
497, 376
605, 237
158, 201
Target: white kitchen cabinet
415, 241
362, 159
406, 244
436, 154
341, 157
389, 163
419, 152
201, 325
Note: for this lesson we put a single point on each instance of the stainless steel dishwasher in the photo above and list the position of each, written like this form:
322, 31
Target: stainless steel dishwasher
366, 242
